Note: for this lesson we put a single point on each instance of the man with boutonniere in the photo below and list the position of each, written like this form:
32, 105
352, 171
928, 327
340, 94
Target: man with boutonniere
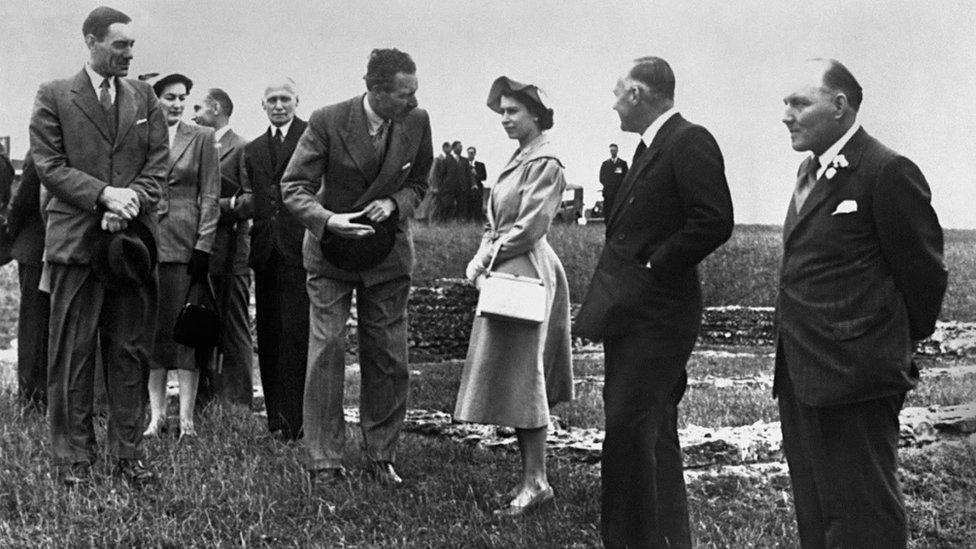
862, 280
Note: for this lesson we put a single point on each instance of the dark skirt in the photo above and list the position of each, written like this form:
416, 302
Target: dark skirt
174, 281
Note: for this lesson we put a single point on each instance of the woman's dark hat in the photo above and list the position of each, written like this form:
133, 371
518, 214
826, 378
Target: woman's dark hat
503, 85
126, 258
175, 78
360, 254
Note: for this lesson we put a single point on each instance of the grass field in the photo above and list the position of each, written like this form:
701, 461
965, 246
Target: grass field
744, 271
232, 488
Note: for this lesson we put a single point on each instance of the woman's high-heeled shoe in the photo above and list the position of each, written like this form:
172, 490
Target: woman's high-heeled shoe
155, 429
514, 511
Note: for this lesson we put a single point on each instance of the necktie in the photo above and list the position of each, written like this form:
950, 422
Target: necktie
379, 140
641, 147
105, 98
279, 137
276, 145
805, 183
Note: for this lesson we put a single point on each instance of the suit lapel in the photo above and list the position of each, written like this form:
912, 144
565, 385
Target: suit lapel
289, 145
399, 146
356, 139
227, 145
825, 186
84, 97
181, 141
640, 165
126, 100
261, 147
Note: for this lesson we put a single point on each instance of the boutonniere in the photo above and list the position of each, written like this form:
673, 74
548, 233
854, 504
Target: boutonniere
839, 161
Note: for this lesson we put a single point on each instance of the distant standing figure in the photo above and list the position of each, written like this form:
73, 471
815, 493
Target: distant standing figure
187, 214
612, 173
230, 377
672, 209
98, 141
26, 227
428, 208
514, 373
276, 257
453, 183
476, 194
862, 279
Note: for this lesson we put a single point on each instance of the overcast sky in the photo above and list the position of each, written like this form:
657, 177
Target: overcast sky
915, 60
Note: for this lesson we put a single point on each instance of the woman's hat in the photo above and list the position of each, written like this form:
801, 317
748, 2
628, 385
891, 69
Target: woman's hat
360, 254
125, 258
504, 85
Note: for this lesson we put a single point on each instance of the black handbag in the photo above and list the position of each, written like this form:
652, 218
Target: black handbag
198, 324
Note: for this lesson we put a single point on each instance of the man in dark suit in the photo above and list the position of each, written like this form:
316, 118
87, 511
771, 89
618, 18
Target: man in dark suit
99, 142
476, 195
862, 279
276, 257
366, 157
672, 209
230, 377
612, 173
26, 230
454, 179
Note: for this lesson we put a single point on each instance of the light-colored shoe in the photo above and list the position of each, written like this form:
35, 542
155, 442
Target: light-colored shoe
155, 429
536, 501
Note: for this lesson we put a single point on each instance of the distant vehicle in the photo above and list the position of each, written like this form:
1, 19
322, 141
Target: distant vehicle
571, 207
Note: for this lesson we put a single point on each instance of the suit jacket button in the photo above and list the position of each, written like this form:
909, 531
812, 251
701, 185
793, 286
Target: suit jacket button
620, 237
631, 201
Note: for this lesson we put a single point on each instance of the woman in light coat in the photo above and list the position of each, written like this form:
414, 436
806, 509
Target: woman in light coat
188, 211
515, 372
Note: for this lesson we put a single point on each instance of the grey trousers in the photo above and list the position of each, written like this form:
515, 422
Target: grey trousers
382, 335
83, 311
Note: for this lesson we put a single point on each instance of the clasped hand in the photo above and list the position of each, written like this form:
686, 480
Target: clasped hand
380, 209
121, 201
113, 223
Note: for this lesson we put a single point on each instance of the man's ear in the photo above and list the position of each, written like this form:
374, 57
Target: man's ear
840, 104
90, 41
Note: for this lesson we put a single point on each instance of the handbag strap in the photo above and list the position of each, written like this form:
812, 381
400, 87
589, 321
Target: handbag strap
208, 291
494, 256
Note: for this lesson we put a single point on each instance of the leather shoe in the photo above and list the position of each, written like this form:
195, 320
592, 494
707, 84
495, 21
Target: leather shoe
327, 475
385, 474
134, 472
76, 474
514, 511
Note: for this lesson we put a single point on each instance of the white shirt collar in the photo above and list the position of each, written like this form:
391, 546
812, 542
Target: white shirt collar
220, 133
651, 132
374, 120
96, 81
284, 129
171, 130
828, 156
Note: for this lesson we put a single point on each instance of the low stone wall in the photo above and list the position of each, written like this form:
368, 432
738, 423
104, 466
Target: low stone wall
441, 315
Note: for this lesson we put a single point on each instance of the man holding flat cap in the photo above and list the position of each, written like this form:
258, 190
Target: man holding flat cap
359, 171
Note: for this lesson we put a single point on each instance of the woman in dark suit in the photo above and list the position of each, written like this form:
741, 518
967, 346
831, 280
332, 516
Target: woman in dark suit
188, 212
513, 372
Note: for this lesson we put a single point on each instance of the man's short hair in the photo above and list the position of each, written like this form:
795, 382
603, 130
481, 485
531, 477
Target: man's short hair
837, 78
221, 98
614, 145
384, 65
456, 143
472, 149
655, 73
284, 84
100, 19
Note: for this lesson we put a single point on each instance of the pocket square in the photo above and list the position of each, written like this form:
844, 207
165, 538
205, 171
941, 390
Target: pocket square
141, 121
847, 206
406, 166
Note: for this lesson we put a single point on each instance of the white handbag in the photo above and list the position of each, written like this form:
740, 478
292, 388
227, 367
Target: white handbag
511, 297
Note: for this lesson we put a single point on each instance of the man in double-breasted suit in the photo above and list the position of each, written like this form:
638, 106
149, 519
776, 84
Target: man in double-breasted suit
672, 209
100, 146
276, 257
367, 156
230, 377
476, 192
862, 279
